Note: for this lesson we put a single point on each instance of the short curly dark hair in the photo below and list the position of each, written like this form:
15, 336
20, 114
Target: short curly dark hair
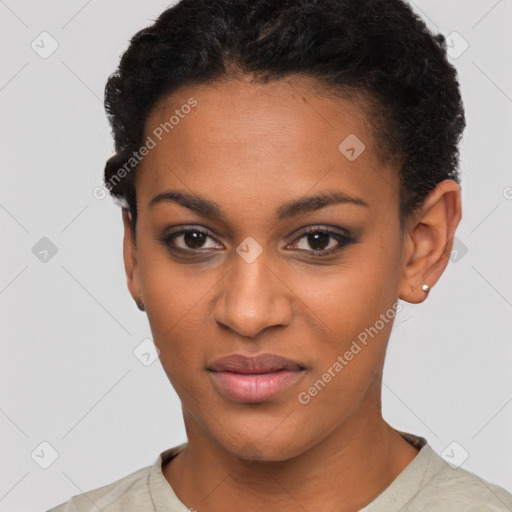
378, 48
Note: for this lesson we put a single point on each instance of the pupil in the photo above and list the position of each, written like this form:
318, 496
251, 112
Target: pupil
323, 238
195, 238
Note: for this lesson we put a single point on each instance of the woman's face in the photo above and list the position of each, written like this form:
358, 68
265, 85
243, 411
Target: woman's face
248, 279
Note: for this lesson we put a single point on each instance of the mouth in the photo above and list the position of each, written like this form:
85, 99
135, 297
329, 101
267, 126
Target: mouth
254, 379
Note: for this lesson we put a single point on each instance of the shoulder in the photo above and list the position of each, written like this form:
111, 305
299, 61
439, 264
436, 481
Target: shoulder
430, 483
130, 493
144, 490
451, 488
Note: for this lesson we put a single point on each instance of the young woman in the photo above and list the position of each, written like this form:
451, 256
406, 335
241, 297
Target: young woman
287, 171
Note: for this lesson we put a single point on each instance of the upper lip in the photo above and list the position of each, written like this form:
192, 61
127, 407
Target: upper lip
261, 363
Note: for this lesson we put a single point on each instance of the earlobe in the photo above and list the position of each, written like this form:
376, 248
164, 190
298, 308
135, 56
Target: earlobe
130, 258
429, 240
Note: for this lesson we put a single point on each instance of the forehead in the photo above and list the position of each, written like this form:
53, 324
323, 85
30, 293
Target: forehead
290, 112
281, 139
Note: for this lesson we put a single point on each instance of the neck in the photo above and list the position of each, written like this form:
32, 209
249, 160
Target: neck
344, 471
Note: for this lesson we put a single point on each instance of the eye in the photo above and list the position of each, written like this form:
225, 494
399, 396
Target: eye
316, 241
189, 240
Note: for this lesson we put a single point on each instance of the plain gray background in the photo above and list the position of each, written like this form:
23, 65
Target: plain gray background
69, 327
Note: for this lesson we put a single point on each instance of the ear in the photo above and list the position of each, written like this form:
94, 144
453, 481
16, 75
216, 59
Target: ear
130, 257
428, 240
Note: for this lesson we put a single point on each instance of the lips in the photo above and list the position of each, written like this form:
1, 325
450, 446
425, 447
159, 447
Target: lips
254, 379
262, 363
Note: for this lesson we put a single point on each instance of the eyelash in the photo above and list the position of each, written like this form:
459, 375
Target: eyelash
343, 240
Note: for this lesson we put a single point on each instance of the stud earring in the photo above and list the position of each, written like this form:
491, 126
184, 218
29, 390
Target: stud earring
140, 305
425, 288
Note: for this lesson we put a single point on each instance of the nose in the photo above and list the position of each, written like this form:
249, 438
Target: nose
253, 297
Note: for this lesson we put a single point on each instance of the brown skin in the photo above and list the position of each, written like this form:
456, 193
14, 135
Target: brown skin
251, 148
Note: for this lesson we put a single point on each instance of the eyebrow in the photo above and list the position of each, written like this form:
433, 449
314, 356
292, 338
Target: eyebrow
208, 208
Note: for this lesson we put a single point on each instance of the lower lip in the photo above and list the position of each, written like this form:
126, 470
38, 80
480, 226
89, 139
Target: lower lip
254, 387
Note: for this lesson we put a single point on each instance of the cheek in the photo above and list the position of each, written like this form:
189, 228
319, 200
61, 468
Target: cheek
352, 308
173, 291
348, 359
351, 295
179, 310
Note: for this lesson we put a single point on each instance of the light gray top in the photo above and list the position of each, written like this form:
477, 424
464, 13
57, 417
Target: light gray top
428, 483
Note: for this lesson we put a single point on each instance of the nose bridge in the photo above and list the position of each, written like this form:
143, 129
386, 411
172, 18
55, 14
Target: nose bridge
252, 298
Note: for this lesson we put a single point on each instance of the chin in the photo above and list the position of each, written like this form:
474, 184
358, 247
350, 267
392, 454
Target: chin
257, 440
